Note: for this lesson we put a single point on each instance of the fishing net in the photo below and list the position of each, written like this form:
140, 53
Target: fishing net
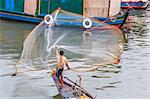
87, 43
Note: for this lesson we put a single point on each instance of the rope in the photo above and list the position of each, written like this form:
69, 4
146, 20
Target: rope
91, 69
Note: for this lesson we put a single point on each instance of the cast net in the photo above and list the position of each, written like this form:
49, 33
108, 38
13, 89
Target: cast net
87, 43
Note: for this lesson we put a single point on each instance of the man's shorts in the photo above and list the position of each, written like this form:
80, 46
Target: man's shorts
59, 72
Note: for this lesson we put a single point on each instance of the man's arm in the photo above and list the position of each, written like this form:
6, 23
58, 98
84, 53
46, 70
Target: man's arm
57, 52
67, 63
67, 66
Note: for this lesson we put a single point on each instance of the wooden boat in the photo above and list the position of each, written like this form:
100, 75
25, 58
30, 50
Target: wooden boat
119, 21
70, 90
35, 10
136, 4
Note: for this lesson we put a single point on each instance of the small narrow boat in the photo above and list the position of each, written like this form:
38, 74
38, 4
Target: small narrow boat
70, 89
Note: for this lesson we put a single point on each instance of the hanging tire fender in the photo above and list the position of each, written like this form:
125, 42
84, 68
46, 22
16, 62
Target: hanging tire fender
113, 19
48, 19
87, 23
140, 3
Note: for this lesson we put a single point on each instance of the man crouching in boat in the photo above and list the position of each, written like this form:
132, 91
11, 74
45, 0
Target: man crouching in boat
61, 61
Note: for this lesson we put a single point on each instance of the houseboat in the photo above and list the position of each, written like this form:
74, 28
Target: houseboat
107, 11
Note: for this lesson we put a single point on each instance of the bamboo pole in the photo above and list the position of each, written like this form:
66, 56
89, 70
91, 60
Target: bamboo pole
83, 7
39, 3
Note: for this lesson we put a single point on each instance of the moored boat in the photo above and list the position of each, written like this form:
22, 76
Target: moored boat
35, 10
136, 4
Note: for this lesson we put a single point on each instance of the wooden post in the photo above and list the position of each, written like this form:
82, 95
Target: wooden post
84, 1
39, 3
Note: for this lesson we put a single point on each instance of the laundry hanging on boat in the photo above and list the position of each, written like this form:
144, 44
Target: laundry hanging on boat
101, 8
30, 6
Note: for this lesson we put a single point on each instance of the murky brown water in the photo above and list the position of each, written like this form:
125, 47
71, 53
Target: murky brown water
128, 80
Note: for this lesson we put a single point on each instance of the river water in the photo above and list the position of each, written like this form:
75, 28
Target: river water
130, 79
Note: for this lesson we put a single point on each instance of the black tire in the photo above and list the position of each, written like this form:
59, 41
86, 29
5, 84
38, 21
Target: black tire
140, 3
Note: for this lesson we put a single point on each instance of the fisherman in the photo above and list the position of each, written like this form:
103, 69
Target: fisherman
61, 61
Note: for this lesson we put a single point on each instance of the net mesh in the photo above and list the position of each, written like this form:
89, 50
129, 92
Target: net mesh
86, 49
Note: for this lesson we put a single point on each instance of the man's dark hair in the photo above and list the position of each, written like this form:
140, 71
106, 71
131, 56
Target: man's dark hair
61, 52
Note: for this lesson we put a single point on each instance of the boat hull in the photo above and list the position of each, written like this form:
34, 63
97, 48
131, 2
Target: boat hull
135, 5
22, 9
33, 19
111, 22
19, 17
68, 91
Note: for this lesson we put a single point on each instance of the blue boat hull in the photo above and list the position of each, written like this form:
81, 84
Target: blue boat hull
115, 22
33, 19
136, 5
20, 17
